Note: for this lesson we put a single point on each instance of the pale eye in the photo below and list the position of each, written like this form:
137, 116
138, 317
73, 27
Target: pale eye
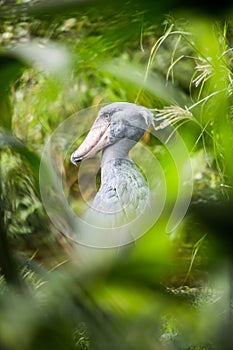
107, 116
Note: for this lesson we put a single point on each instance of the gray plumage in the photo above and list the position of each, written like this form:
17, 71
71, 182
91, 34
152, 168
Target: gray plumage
123, 197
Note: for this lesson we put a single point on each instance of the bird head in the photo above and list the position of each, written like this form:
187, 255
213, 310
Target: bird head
116, 121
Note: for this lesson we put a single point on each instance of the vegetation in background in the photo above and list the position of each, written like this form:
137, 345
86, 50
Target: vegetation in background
172, 291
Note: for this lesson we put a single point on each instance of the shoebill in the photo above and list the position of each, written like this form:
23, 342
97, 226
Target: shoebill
123, 205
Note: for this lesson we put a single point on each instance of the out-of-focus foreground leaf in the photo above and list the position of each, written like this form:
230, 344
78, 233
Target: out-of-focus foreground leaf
10, 70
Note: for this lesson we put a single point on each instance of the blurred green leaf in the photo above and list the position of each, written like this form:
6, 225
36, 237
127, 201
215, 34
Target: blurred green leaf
32, 160
10, 70
165, 92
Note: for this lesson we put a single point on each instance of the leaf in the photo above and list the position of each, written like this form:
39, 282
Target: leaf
51, 57
32, 160
134, 74
10, 70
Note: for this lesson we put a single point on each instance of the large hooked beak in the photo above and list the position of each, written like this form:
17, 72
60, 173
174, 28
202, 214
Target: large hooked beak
96, 140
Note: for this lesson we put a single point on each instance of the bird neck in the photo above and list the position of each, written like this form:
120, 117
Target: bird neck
118, 150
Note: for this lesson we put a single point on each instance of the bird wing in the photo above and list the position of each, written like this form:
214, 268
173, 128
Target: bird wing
122, 196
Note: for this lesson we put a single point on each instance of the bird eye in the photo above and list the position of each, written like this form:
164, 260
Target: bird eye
107, 115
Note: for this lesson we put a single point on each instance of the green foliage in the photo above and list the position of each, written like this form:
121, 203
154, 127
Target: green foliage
169, 291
